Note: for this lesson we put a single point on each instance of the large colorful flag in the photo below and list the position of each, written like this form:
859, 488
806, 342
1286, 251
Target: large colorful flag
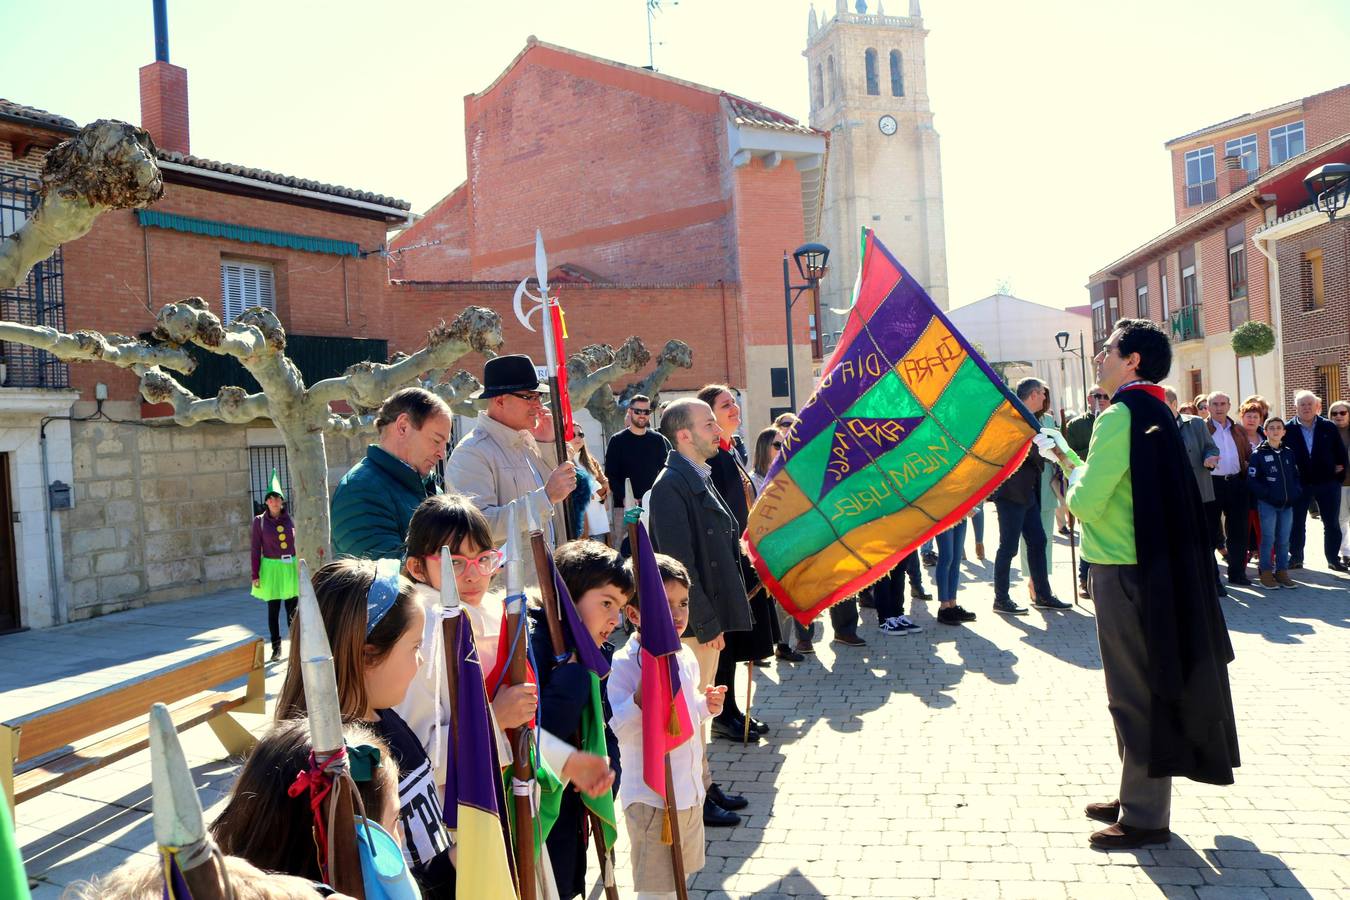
907, 431
13, 881
473, 787
665, 716
564, 413
593, 716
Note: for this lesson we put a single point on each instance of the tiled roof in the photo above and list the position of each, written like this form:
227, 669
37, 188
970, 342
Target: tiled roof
319, 187
754, 115
12, 110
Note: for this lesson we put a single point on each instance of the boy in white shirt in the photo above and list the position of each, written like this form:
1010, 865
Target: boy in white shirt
643, 810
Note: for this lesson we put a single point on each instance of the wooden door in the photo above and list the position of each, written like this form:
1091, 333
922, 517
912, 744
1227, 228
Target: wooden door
9, 573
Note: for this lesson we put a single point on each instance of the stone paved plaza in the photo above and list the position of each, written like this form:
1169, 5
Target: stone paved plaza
950, 763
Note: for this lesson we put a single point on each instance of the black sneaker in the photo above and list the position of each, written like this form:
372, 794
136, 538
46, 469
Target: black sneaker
1052, 602
787, 654
715, 816
1337, 567
952, 615
929, 558
1009, 607
920, 594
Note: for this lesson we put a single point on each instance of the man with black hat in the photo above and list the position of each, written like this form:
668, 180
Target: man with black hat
498, 464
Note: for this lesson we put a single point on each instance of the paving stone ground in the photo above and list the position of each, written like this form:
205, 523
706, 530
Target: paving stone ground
950, 763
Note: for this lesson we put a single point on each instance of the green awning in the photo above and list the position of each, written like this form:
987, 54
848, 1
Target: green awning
149, 218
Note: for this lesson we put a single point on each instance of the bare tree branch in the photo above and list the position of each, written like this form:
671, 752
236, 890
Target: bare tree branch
108, 165
675, 355
599, 365
231, 404
82, 346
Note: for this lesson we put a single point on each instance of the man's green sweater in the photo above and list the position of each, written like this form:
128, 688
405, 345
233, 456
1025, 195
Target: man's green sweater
1102, 497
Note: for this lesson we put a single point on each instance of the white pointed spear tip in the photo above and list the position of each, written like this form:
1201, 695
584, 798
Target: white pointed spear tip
628, 493
541, 263
177, 808
316, 669
449, 587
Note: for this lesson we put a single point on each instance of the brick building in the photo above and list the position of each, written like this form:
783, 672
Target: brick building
108, 513
670, 204
1201, 279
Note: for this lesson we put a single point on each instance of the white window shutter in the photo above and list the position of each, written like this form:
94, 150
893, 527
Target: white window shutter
243, 285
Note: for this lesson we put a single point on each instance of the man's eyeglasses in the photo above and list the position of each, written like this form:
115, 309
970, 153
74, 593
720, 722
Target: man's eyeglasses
640, 412
486, 562
529, 397
1100, 397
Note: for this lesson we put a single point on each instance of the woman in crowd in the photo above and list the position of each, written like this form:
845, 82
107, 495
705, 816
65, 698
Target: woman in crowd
731, 478
1340, 417
595, 522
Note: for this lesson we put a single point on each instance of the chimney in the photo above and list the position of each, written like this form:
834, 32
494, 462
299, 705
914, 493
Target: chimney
1234, 176
164, 92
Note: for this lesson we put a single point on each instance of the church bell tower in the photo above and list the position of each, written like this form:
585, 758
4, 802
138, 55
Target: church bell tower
869, 89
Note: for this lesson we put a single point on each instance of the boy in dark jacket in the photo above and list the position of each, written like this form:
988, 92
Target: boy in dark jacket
1272, 476
600, 586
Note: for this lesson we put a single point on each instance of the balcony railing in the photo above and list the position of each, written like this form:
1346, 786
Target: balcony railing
1186, 324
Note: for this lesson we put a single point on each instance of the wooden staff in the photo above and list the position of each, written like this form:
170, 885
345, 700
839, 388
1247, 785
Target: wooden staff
517, 672
672, 815
553, 616
326, 740
179, 830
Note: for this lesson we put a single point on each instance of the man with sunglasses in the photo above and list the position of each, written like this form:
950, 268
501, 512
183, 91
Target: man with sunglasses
498, 465
636, 454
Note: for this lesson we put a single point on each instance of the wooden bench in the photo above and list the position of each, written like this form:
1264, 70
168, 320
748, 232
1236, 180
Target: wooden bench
43, 750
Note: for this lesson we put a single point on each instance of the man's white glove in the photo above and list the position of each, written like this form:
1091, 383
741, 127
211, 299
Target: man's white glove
1048, 441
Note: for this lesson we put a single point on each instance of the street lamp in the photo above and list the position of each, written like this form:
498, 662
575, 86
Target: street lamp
1329, 188
1062, 339
811, 262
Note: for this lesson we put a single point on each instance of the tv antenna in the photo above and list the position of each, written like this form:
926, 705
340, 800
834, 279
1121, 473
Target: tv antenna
654, 7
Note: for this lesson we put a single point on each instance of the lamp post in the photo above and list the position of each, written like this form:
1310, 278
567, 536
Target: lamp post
1329, 188
1062, 339
811, 262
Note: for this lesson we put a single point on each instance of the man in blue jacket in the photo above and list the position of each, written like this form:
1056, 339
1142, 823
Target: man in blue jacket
375, 500
1321, 460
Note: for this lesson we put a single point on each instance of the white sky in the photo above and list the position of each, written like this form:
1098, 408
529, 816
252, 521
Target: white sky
1052, 112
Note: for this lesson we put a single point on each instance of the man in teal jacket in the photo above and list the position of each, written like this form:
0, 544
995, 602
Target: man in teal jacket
375, 500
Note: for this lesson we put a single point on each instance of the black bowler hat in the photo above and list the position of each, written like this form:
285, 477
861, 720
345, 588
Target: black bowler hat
508, 375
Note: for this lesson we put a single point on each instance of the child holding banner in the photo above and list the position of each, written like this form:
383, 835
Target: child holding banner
644, 811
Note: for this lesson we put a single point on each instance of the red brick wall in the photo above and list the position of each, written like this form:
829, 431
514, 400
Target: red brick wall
436, 247
1211, 255
769, 223
702, 316
625, 173
105, 273
1314, 337
1327, 115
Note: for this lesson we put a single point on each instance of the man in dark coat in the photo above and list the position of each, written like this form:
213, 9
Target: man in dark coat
1163, 639
690, 521
1321, 459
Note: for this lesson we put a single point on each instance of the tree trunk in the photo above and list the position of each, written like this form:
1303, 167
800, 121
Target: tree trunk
307, 459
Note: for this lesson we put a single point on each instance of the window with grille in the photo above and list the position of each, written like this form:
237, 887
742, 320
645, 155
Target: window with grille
1310, 280
261, 461
1286, 142
1200, 183
245, 284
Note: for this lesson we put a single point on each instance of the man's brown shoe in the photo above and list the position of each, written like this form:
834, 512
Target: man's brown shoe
1283, 579
1104, 812
1268, 580
1126, 837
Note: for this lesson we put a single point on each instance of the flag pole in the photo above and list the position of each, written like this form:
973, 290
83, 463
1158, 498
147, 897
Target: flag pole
179, 829
672, 815
551, 363
342, 862
517, 672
